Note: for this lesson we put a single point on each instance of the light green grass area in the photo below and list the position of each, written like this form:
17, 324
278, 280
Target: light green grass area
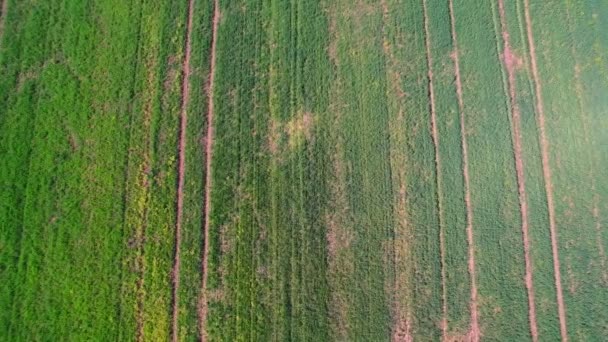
335, 214
567, 83
496, 223
538, 221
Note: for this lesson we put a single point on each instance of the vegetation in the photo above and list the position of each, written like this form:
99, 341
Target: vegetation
364, 179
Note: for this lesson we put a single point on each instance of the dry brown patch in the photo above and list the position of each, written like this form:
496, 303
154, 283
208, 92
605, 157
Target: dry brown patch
332, 48
469, 336
274, 136
216, 295
338, 238
172, 74
402, 331
512, 61
299, 129
574, 284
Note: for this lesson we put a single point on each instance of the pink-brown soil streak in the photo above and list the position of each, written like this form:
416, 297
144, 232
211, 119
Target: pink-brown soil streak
435, 136
512, 63
203, 309
474, 333
182, 171
546, 172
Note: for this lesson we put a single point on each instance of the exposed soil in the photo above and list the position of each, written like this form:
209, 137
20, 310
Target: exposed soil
203, 309
546, 172
403, 332
182, 171
512, 63
475, 333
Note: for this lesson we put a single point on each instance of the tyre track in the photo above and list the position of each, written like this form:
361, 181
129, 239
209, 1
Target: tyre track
203, 308
439, 182
546, 171
474, 333
511, 62
182, 170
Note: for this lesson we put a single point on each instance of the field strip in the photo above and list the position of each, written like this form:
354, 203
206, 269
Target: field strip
209, 153
511, 64
140, 295
578, 88
401, 326
3, 9
144, 208
182, 170
600, 244
546, 172
474, 334
435, 135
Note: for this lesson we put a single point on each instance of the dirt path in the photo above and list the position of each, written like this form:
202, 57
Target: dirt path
209, 154
182, 171
546, 172
474, 333
511, 63
435, 135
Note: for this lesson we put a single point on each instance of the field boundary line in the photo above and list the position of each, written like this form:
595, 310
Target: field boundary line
203, 307
182, 170
511, 63
474, 333
438, 179
546, 172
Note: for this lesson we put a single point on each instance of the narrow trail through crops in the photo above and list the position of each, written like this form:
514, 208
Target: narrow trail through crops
182, 171
209, 154
439, 183
474, 333
511, 63
546, 172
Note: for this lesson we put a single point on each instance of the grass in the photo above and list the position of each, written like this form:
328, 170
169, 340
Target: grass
582, 275
496, 223
450, 181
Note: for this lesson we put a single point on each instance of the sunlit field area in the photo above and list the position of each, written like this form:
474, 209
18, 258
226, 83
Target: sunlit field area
303, 170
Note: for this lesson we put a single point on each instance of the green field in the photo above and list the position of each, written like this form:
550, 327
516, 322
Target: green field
310, 170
